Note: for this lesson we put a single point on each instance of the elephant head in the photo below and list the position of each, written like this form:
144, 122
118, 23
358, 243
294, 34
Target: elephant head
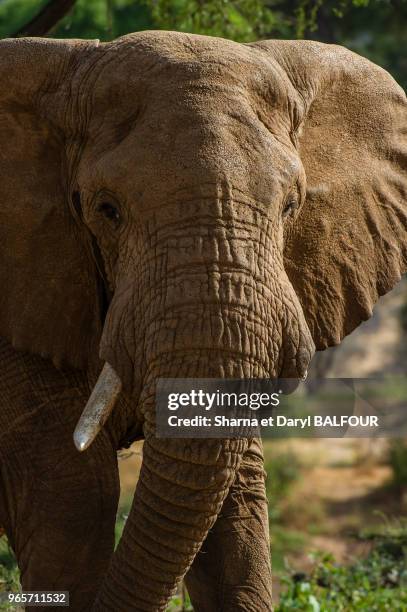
186, 206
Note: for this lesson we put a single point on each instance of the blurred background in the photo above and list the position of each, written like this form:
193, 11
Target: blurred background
337, 506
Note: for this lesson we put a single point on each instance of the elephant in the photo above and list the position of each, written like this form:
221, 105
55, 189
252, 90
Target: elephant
175, 206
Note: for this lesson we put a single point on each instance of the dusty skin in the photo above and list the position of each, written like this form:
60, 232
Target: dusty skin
176, 206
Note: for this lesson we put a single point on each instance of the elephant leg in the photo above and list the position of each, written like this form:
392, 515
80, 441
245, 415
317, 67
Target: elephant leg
58, 505
232, 571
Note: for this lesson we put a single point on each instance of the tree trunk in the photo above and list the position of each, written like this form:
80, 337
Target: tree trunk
46, 19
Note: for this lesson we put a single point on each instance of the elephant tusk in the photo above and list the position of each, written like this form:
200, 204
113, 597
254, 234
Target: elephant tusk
99, 406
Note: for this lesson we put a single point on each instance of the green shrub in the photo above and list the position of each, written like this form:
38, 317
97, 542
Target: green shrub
375, 584
180, 602
9, 574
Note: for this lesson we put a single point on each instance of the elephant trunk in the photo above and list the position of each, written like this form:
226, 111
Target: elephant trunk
218, 305
180, 492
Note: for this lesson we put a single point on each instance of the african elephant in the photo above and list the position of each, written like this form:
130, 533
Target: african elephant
175, 205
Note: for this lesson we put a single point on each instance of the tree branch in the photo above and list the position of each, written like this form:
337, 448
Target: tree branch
46, 19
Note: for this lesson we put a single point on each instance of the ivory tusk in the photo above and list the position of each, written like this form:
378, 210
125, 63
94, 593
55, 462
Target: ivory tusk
99, 406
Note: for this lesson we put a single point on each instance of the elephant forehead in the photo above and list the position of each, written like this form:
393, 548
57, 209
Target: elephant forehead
146, 67
209, 162
171, 109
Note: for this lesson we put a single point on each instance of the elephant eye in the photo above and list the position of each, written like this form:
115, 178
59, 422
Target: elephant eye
110, 212
289, 207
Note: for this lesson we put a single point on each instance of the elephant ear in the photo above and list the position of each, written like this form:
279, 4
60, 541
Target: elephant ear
49, 289
348, 244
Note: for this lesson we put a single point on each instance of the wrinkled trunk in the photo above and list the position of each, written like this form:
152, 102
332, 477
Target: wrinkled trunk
213, 301
180, 492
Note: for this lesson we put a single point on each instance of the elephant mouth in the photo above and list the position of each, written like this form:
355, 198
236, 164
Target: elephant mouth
104, 397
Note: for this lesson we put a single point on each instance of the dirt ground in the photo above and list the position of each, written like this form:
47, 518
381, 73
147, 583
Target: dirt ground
348, 479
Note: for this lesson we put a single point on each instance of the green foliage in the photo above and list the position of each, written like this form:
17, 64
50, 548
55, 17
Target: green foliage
285, 542
14, 13
375, 584
241, 20
398, 463
104, 19
9, 574
283, 470
122, 514
306, 17
180, 603
88, 19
